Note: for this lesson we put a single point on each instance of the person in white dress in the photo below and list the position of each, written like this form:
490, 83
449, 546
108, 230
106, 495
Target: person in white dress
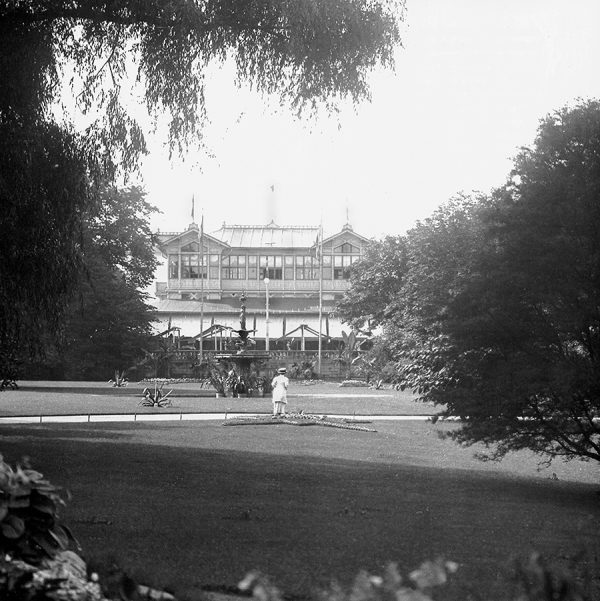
280, 385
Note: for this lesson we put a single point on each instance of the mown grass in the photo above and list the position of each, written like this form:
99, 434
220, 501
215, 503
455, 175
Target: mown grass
192, 505
54, 398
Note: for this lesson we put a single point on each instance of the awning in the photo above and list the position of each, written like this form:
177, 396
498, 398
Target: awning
280, 326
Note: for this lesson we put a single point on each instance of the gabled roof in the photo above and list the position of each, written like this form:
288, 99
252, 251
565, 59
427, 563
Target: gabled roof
260, 236
165, 239
347, 229
267, 236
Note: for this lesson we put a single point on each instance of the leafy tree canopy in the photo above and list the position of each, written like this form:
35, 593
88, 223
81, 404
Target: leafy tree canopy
524, 334
306, 51
497, 319
44, 191
375, 283
108, 321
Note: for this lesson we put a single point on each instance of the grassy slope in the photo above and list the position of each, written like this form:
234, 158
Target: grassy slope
193, 505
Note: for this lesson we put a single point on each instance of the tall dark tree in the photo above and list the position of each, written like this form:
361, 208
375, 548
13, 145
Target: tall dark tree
108, 321
497, 319
44, 190
523, 359
310, 53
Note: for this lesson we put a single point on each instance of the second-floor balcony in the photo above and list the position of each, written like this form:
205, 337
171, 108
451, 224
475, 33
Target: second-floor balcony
215, 285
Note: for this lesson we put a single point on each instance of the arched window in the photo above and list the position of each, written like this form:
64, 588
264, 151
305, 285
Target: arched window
346, 248
192, 247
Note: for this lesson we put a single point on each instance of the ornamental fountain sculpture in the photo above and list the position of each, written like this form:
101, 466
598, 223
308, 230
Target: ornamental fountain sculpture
246, 360
242, 361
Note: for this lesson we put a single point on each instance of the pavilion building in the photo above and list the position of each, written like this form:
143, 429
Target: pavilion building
291, 276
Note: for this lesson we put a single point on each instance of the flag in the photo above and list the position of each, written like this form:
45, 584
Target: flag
202, 241
192, 208
319, 244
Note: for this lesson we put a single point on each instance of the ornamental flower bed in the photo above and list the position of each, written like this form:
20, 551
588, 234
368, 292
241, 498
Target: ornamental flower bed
298, 419
354, 384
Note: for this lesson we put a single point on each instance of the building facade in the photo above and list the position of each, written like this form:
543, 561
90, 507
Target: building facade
291, 279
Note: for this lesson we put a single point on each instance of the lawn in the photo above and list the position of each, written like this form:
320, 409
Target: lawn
192, 505
55, 398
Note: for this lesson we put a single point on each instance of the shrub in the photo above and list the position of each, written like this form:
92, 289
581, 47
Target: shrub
29, 526
305, 370
155, 398
368, 587
533, 580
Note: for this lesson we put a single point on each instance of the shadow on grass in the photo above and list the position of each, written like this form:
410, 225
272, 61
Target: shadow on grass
195, 518
39, 434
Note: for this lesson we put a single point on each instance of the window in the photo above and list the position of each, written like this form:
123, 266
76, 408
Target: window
190, 267
307, 268
327, 267
347, 248
341, 266
288, 263
192, 247
271, 267
252, 267
234, 267
213, 267
173, 267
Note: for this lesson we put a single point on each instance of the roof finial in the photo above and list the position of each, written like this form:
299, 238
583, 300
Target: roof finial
347, 226
193, 225
271, 204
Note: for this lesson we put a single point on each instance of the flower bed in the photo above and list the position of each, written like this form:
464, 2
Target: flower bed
354, 384
298, 419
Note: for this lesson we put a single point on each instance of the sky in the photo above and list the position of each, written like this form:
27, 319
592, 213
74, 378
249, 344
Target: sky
471, 83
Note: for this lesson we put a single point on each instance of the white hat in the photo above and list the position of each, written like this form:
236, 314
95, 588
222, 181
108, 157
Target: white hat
281, 370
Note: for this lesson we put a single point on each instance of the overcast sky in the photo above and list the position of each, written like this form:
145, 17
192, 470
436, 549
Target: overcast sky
471, 83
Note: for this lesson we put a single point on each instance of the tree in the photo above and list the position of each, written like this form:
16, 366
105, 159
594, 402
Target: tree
44, 190
375, 281
403, 282
108, 322
497, 320
349, 350
308, 52
517, 352
372, 301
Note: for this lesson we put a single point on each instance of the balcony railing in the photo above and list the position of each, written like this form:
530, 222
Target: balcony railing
258, 285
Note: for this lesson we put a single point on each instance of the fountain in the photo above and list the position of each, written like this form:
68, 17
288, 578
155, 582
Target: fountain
242, 361
243, 358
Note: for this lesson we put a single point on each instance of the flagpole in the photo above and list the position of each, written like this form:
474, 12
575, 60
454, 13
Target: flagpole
320, 251
202, 288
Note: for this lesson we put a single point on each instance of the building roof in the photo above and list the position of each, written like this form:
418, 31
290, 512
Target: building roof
188, 306
288, 326
264, 236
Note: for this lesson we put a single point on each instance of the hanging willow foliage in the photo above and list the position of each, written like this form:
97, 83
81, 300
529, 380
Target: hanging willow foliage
308, 52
